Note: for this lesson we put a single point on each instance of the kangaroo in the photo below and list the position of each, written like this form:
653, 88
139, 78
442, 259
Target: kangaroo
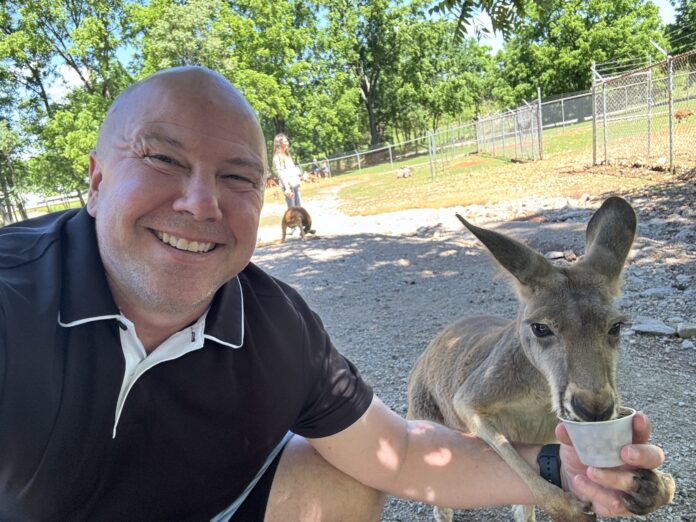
509, 380
297, 217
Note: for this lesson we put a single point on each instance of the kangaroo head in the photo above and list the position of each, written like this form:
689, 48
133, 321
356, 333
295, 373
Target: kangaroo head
567, 323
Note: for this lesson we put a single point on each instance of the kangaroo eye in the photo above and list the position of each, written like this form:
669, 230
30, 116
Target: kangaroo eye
541, 330
615, 328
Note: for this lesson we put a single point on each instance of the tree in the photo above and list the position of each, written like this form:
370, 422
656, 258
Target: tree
264, 48
10, 165
503, 14
41, 41
364, 42
437, 77
682, 33
554, 48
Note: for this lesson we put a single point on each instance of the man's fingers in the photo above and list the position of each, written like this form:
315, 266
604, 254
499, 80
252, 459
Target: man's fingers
646, 456
613, 478
641, 428
562, 434
605, 502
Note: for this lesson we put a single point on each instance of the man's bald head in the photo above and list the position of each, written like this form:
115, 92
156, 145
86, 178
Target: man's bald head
190, 87
176, 191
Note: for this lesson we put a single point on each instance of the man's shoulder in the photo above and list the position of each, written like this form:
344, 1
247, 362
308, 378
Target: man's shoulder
262, 284
27, 240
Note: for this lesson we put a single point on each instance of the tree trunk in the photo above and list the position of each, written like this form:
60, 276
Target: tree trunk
368, 95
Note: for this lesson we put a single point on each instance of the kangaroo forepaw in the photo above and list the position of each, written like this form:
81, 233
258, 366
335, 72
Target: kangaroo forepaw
652, 489
564, 507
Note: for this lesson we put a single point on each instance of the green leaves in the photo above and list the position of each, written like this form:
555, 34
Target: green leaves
554, 46
503, 14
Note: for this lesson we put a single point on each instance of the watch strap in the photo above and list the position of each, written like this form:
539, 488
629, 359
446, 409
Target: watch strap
550, 464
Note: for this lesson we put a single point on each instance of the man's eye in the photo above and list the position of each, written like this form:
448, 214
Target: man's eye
162, 158
237, 180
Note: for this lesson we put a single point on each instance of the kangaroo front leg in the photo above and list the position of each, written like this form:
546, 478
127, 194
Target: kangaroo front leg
652, 489
558, 504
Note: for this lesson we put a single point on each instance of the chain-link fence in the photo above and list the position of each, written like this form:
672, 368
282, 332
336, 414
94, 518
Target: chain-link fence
646, 116
431, 148
515, 134
566, 110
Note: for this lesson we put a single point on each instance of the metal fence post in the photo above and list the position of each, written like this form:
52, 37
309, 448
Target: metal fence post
670, 94
516, 126
604, 120
391, 161
431, 153
540, 125
594, 114
358, 156
562, 113
649, 100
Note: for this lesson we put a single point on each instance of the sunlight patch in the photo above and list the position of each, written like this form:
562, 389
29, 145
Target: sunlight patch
329, 254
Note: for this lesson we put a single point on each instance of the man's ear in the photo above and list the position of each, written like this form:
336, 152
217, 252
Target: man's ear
95, 179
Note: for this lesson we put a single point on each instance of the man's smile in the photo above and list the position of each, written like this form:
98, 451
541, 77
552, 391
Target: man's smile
184, 244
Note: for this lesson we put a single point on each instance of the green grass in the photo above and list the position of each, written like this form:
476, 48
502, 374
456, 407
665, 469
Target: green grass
55, 207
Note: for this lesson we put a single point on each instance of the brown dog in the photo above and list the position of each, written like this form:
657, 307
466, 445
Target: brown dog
682, 114
297, 217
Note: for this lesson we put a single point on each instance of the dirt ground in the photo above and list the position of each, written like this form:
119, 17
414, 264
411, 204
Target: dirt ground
386, 285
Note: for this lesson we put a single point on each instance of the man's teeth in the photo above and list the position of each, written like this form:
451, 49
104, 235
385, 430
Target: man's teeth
183, 244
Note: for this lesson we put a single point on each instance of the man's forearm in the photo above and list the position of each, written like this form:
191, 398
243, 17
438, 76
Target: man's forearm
452, 469
425, 461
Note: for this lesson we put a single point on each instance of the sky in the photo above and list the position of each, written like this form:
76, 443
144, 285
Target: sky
496, 42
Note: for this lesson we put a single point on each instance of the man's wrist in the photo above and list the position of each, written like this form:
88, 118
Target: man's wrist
550, 464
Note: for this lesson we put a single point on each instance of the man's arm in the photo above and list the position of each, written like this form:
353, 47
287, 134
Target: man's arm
431, 463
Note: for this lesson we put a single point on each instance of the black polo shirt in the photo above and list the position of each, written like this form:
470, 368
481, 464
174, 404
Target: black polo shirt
192, 432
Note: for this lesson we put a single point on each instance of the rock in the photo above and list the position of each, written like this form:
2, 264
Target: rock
652, 327
554, 254
574, 214
687, 345
685, 330
662, 291
656, 221
685, 235
569, 255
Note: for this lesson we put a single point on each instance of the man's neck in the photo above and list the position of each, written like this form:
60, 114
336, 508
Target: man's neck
154, 327
153, 332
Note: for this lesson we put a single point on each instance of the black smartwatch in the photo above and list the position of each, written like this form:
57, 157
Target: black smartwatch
550, 464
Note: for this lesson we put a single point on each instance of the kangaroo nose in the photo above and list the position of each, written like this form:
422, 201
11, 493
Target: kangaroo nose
598, 411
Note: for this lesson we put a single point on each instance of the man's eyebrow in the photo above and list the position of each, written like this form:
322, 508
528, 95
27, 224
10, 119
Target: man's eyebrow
164, 138
245, 162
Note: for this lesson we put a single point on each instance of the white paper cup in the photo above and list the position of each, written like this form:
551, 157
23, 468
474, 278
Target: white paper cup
599, 443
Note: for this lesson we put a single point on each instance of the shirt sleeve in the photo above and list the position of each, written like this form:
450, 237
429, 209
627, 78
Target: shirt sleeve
336, 394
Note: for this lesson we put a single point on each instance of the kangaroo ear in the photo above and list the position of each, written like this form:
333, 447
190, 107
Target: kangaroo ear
528, 266
609, 237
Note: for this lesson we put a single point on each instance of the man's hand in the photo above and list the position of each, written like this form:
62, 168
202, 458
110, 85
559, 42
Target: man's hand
613, 491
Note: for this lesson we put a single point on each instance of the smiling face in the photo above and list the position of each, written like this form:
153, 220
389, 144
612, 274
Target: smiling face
176, 188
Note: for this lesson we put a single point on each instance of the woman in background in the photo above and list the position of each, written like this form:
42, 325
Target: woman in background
288, 174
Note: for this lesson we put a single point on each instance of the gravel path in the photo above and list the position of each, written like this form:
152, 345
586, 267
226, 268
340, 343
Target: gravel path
385, 285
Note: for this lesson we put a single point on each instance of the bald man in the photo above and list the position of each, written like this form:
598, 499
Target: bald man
150, 371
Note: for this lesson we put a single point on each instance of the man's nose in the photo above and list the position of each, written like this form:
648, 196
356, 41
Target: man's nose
199, 197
